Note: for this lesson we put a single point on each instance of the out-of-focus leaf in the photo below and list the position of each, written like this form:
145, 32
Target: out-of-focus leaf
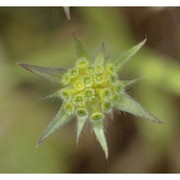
60, 119
99, 60
122, 58
128, 104
166, 72
80, 50
67, 12
99, 132
44, 72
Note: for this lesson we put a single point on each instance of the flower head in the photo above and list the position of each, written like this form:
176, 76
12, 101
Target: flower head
91, 90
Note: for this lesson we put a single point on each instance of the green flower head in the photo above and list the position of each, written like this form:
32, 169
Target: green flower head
91, 90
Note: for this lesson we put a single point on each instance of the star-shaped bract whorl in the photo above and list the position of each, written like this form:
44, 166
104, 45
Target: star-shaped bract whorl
91, 90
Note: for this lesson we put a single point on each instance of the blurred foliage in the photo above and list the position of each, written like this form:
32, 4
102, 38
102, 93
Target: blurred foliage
43, 36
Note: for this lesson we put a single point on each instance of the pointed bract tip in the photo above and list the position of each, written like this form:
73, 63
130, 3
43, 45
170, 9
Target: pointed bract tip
160, 122
25, 66
128, 83
67, 12
157, 120
107, 156
144, 41
77, 140
146, 36
41, 140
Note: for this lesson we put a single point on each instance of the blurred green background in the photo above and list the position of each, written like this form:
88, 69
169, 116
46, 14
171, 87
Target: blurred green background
44, 36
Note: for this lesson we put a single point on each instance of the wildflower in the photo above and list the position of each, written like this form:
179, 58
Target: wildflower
91, 90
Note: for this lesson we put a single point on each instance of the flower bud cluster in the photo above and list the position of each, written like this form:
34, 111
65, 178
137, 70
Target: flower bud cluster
90, 89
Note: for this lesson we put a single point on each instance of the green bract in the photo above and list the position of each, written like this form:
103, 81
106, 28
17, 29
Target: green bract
91, 90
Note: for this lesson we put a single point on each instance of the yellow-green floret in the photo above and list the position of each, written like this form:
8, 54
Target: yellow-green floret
88, 83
